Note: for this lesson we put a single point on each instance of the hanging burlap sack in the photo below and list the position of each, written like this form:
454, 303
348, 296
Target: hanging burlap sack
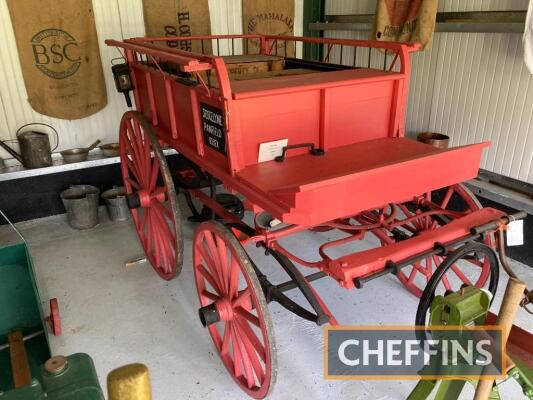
269, 17
409, 21
59, 56
179, 18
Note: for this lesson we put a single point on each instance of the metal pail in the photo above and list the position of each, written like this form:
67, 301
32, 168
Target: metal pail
81, 203
116, 204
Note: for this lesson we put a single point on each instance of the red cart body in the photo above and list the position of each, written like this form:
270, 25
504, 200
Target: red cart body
346, 165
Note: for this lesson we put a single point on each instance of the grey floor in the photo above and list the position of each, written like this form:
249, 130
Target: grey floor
122, 315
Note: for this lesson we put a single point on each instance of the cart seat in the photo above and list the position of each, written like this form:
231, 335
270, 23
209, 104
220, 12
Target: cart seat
349, 179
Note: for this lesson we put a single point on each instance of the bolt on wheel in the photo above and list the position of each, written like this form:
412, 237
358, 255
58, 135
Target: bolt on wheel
234, 308
151, 195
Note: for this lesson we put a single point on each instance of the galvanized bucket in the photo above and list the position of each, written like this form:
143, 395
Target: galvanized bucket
116, 204
81, 203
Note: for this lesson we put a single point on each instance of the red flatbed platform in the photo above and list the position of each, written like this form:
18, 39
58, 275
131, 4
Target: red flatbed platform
362, 175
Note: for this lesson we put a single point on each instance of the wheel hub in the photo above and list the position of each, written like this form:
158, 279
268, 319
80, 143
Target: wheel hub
220, 310
143, 198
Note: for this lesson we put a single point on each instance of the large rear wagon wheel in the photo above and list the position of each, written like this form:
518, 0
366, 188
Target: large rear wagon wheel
453, 198
151, 195
234, 309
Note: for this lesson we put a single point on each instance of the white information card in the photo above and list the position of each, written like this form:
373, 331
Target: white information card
270, 150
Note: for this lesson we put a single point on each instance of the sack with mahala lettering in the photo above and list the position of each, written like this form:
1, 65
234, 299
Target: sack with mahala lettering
269, 17
184, 18
409, 21
59, 56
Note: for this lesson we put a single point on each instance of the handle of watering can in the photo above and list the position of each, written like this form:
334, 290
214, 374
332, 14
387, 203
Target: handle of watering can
12, 226
43, 124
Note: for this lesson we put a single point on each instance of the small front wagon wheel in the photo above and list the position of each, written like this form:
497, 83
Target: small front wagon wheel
441, 281
151, 195
234, 309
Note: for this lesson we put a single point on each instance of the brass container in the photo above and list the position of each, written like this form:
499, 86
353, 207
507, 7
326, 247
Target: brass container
131, 382
435, 139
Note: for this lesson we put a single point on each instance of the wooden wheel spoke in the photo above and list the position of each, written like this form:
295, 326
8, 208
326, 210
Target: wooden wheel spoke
252, 337
164, 210
233, 279
446, 283
210, 265
211, 248
237, 357
164, 228
209, 295
148, 242
475, 261
429, 266
246, 361
134, 171
133, 183
224, 348
154, 174
251, 352
222, 255
247, 315
147, 152
158, 243
132, 144
139, 142
143, 220
244, 298
412, 275
460, 274
209, 278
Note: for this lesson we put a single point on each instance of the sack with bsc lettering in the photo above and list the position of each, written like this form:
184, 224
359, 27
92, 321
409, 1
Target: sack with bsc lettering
179, 18
59, 56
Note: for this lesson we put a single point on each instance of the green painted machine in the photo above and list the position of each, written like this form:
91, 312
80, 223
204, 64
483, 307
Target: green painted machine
62, 378
27, 371
470, 306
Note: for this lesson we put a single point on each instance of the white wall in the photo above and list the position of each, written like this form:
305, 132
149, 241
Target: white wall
470, 86
115, 19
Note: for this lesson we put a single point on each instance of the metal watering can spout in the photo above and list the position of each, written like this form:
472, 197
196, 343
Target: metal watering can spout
35, 151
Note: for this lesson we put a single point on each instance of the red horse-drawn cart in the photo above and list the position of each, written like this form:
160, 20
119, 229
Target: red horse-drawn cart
336, 159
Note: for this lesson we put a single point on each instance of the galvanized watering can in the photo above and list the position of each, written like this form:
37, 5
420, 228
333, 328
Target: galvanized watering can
35, 150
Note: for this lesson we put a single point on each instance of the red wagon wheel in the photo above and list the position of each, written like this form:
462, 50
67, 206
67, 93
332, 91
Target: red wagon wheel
151, 195
471, 272
234, 309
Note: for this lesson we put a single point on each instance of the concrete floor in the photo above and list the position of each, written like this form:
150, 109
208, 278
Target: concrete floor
121, 315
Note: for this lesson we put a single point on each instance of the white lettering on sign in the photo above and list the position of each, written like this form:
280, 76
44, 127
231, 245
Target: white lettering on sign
212, 130
213, 127
212, 117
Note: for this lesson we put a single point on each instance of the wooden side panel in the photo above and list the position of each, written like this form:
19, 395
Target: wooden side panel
292, 116
359, 112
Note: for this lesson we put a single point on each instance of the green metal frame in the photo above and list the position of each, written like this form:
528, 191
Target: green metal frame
470, 305
77, 382
20, 308
314, 11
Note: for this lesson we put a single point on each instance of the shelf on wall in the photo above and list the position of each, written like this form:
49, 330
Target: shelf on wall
95, 159
473, 22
